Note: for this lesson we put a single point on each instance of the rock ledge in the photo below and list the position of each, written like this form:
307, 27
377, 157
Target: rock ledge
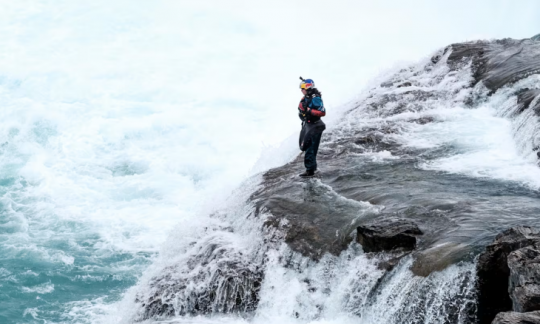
388, 234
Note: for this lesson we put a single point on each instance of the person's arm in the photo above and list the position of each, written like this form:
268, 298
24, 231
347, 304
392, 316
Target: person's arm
301, 112
316, 107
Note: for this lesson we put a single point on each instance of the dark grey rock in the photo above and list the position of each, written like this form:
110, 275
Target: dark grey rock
318, 217
517, 318
234, 287
405, 84
388, 234
524, 288
493, 271
315, 219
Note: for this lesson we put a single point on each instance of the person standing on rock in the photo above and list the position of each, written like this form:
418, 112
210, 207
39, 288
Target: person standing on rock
310, 111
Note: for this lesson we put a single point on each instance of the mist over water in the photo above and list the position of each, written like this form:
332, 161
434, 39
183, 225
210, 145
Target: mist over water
103, 153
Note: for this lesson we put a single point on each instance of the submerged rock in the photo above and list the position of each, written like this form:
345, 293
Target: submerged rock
493, 271
517, 318
526, 97
390, 263
524, 289
388, 234
438, 258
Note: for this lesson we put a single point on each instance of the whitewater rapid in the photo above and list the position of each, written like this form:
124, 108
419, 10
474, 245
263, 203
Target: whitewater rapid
98, 193
107, 146
91, 190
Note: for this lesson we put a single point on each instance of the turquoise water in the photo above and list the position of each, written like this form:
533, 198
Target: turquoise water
41, 290
88, 194
53, 268
105, 148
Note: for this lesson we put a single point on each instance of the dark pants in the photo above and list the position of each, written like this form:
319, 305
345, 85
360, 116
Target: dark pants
310, 159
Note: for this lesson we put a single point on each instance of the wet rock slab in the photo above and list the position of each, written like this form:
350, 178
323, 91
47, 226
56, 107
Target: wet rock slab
517, 318
315, 217
498, 63
312, 216
388, 234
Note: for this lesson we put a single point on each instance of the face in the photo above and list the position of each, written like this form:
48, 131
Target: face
304, 91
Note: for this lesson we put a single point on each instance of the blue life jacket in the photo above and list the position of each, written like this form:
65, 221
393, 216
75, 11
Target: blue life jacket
312, 101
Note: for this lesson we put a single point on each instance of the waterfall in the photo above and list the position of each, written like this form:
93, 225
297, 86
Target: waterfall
449, 143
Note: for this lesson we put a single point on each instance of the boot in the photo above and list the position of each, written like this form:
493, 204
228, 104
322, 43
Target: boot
308, 173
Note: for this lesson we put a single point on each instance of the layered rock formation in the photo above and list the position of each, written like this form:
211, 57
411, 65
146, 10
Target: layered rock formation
509, 276
517, 318
524, 287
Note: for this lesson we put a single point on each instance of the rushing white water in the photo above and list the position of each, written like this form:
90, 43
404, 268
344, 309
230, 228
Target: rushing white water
104, 152
486, 144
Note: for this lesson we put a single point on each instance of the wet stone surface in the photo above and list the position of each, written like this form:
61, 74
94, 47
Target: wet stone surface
500, 62
233, 288
517, 318
524, 287
493, 271
388, 234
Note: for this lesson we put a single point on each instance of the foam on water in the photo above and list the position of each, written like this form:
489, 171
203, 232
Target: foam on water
338, 290
482, 142
40, 289
91, 190
488, 140
103, 154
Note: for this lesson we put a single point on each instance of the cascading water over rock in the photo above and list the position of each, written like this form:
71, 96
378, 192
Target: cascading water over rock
448, 144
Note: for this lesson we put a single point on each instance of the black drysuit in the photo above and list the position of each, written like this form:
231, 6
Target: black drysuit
310, 111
